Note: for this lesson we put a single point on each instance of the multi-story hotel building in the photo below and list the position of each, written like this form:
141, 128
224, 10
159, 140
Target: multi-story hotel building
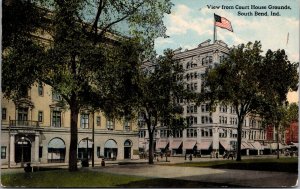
36, 129
209, 132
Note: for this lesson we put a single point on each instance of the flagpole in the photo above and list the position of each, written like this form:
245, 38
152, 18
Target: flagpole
215, 34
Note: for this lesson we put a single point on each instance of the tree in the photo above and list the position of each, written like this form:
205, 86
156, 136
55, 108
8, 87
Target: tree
85, 53
279, 76
235, 81
160, 85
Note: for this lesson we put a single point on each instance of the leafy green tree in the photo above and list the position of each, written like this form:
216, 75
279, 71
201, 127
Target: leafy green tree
161, 83
235, 82
84, 60
252, 84
279, 76
19, 20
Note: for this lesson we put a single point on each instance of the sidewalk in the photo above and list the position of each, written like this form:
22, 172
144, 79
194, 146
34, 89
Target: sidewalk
171, 160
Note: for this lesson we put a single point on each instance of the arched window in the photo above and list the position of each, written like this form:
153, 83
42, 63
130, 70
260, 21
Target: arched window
56, 150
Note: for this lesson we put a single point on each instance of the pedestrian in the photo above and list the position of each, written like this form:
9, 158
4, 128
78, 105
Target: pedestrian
161, 155
185, 156
217, 155
191, 157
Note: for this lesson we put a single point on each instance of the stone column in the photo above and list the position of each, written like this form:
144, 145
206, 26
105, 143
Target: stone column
216, 138
36, 148
12, 149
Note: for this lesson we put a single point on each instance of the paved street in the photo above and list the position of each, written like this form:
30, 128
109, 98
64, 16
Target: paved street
244, 178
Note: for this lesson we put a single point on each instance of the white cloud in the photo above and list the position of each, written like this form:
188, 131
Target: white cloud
163, 41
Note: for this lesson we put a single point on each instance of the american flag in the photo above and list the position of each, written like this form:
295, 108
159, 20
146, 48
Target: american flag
223, 22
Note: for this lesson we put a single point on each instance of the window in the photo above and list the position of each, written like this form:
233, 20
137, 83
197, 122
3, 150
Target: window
40, 116
164, 133
3, 152
127, 126
110, 124
98, 151
205, 108
206, 119
56, 96
22, 114
98, 121
223, 120
3, 113
222, 133
223, 109
191, 120
84, 121
41, 89
177, 134
56, 118
191, 133
206, 60
142, 134
40, 151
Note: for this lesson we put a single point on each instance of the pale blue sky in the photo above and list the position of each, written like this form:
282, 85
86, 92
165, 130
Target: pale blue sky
191, 22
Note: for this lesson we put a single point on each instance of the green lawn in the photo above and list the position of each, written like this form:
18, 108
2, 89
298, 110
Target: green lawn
282, 164
64, 178
86, 178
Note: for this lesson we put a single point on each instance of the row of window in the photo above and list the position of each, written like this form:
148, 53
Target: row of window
205, 61
192, 86
223, 109
56, 118
192, 133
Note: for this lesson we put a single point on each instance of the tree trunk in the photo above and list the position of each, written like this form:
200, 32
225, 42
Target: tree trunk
151, 157
74, 135
277, 141
239, 138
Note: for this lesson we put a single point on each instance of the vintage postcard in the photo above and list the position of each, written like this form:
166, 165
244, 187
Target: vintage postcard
150, 94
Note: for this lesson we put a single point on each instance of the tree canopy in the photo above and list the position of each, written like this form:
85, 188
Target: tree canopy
161, 84
249, 81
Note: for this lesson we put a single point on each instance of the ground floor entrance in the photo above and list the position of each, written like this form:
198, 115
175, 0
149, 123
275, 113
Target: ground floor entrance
22, 151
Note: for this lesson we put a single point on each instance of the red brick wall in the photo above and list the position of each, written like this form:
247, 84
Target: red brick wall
291, 134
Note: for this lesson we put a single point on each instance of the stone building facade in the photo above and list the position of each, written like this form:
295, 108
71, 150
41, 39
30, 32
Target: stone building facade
36, 129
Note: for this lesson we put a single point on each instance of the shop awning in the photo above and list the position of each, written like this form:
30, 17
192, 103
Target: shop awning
82, 144
56, 143
161, 144
257, 145
175, 144
225, 145
110, 144
203, 145
274, 146
246, 145
189, 144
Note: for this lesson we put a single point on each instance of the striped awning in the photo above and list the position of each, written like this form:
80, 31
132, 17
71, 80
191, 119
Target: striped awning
189, 144
162, 144
246, 145
204, 145
257, 145
175, 144
225, 145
